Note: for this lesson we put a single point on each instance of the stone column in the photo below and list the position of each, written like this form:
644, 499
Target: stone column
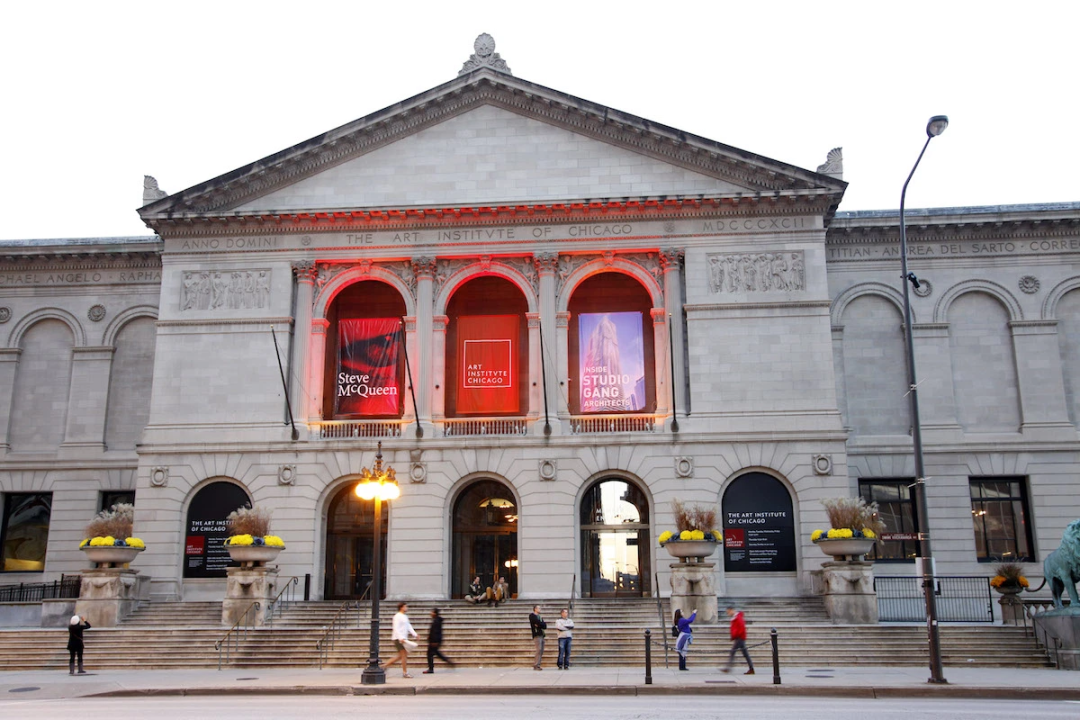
671, 263
244, 586
660, 352
426, 359
409, 328
1040, 376
9, 364
536, 399
562, 362
108, 595
88, 397
547, 264
841, 380
299, 368
438, 366
317, 372
849, 592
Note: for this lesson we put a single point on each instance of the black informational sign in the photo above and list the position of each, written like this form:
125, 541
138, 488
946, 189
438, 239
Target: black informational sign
759, 525
205, 555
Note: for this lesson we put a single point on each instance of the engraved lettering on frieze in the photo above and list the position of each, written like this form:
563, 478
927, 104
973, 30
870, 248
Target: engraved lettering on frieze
214, 290
1029, 284
757, 272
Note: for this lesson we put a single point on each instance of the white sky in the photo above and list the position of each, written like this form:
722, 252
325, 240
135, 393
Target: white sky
97, 94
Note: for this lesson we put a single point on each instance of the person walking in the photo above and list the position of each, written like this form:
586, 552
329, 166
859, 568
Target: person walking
738, 640
75, 643
400, 635
565, 627
537, 626
434, 640
682, 645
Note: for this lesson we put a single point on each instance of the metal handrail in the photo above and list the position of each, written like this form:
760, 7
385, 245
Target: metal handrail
573, 589
324, 644
245, 623
660, 616
278, 605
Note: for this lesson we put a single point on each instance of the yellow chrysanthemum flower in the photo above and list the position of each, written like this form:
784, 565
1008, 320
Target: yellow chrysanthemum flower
273, 541
816, 535
240, 540
109, 540
697, 535
665, 536
686, 535
840, 534
134, 542
717, 535
868, 534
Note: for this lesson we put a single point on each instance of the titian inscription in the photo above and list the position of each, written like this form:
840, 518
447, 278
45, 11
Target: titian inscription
756, 272
229, 290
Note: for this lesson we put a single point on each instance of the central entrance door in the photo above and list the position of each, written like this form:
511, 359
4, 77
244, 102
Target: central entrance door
485, 537
350, 545
615, 558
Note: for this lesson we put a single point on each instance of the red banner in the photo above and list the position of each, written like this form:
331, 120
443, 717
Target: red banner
488, 381
367, 369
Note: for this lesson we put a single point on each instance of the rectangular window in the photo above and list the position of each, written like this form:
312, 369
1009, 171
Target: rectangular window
999, 510
24, 533
896, 508
114, 497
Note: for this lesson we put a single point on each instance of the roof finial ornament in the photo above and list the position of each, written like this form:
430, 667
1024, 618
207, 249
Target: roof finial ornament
834, 164
485, 56
151, 191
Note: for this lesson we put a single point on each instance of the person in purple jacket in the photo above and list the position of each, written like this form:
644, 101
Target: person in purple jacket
682, 645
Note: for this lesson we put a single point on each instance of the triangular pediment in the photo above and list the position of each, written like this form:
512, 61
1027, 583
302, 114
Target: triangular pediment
488, 138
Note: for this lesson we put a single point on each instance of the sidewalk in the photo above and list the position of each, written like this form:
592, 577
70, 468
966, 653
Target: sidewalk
865, 682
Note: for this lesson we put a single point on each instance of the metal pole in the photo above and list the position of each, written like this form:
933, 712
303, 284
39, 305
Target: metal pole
543, 376
671, 363
775, 658
926, 558
412, 391
373, 674
648, 657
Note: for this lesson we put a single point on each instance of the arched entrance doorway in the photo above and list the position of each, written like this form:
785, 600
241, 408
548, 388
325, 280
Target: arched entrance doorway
485, 537
350, 545
615, 558
759, 525
205, 555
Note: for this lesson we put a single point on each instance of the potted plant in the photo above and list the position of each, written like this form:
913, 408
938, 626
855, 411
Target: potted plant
696, 535
108, 541
855, 528
250, 542
1009, 579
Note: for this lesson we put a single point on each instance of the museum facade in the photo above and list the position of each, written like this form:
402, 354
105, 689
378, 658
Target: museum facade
555, 318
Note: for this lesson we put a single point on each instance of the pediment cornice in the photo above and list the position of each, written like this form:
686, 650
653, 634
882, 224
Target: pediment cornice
475, 89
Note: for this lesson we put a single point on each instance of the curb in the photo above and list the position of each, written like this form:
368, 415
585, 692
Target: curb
846, 691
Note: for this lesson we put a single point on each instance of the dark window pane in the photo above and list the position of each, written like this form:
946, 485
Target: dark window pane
999, 518
25, 532
896, 510
115, 497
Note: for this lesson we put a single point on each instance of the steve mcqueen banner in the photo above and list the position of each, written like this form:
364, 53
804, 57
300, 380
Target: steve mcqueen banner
488, 361
611, 362
367, 368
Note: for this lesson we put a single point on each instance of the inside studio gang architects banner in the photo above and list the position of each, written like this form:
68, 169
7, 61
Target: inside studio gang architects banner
489, 364
612, 362
367, 368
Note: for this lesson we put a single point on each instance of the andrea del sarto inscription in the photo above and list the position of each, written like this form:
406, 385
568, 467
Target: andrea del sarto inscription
229, 290
756, 272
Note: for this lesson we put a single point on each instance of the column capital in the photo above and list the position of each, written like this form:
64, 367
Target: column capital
546, 263
439, 323
424, 267
659, 315
562, 319
410, 323
305, 270
670, 258
533, 319
320, 326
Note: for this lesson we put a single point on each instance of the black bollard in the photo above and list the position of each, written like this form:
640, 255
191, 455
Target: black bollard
307, 587
648, 657
775, 659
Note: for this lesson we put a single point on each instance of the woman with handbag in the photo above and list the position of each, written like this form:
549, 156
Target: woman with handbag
401, 632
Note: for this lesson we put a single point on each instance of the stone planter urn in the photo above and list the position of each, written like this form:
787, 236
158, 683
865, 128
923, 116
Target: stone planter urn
691, 550
1012, 606
111, 556
253, 555
851, 549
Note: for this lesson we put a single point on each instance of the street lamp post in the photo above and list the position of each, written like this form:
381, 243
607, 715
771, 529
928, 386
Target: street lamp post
377, 484
935, 127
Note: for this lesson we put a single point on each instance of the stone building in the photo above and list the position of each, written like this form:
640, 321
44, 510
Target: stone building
556, 318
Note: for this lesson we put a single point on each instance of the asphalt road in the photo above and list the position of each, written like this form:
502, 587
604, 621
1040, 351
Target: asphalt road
528, 707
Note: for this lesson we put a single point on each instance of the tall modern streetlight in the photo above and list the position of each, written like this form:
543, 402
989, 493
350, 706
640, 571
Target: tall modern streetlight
377, 484
935, 127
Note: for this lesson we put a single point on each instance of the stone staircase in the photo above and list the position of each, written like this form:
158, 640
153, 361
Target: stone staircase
608, 633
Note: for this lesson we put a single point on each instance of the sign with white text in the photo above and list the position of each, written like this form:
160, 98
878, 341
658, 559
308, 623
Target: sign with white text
367, 369
611, 362
488, 361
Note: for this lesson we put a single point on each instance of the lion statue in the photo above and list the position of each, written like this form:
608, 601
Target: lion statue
1061, 568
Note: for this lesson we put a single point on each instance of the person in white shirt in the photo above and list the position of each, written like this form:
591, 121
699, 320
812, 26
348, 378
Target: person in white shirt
565, 626
401, 632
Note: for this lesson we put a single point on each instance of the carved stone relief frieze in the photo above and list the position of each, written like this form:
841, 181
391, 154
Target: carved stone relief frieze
228, 290
527, 267
446, 269
569, 264
756, 272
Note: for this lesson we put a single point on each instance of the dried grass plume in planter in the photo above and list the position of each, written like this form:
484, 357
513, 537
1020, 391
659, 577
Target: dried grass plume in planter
853, 514
116, 522
693, 517
249, 521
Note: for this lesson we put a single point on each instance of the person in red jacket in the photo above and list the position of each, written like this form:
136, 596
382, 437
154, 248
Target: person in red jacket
738, 640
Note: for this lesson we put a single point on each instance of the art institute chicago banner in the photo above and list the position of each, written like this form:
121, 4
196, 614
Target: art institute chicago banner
367, 368
611, 362
489, 364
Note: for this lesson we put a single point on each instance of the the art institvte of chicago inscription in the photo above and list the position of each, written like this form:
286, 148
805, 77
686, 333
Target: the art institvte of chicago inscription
228, 290
756, 272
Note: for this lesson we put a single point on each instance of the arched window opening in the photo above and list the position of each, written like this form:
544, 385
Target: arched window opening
615, 543
611, 347
364, 374
205, 555
485, 537
350, 545
759, 525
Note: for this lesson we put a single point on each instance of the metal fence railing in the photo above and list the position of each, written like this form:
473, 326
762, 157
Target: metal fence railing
66, 588
958, 599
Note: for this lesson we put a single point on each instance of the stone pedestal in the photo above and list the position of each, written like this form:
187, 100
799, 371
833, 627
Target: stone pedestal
849, 592
1012, 607
246, 585
1063, 624
108, 595
693, 587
